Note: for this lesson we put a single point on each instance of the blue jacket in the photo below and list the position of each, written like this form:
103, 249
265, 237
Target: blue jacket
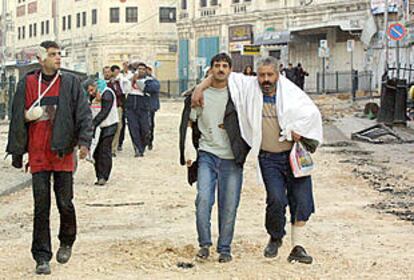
152, 87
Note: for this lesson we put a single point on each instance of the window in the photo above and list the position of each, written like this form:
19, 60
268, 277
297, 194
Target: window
42, 29
23, 32
114, 15
84, 19
183, 4
63, 23
30, 31
213, 2
19, 34
94, 16
34, 29
78, 20
69, 22
203, 3
167, 14
47, 27
131, 14
235, 1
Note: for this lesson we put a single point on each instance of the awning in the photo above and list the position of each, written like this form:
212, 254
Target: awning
344, 25
273, 38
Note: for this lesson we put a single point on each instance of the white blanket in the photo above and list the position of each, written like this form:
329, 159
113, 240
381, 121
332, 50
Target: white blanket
295, 110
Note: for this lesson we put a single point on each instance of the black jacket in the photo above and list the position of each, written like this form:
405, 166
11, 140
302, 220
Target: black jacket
239, 147
72, 125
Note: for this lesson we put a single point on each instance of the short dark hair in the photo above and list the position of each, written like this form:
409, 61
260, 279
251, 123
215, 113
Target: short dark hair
49, 44
141, 64
105, 67
115, 67
221, 57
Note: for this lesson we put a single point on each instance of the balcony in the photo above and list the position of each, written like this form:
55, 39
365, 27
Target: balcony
208, 12
239, 8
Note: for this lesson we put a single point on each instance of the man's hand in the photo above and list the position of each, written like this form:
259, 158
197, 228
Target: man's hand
296, 137
189, 163
83, 152
197, 99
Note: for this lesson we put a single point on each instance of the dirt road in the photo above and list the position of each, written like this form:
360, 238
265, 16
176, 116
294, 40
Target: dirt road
142, 224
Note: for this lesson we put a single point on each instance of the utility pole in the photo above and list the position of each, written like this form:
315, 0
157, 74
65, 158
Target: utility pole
386, 6
4, 28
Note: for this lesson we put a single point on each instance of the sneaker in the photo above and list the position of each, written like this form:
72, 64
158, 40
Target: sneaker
138, 154
100, 182
203, 253
63, 254
272, 247
298, 254
150, 147
113, 154
119, 149
225, 257
43, 268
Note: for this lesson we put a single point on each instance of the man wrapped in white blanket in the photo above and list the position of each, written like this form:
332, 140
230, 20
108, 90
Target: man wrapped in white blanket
272, 112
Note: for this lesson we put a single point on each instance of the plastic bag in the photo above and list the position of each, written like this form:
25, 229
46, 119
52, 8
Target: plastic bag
300, 161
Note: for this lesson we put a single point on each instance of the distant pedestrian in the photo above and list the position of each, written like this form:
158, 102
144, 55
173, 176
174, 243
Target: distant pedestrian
154, 102
115, 84
248, 71
138, 111
50, 117
107, 121
291, 73
301, 74
125, 78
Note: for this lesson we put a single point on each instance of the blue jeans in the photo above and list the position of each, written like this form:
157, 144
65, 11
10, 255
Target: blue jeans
284, 189
228, 177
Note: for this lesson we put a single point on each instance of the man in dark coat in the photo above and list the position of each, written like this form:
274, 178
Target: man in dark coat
50, 116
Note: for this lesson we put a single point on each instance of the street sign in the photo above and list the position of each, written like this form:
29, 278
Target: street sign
323, 44
251, 50
324, 52
396, 31
350, 45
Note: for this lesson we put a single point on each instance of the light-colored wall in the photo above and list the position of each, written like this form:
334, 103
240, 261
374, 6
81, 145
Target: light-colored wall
280, 15
91, 47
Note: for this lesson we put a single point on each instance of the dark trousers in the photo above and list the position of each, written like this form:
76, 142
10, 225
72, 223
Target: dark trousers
103, 157
152, 127
63, 188
122, 133
283, 189
139, 128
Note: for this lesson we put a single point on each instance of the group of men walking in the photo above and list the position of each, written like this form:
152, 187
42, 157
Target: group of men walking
126, 98
231, 115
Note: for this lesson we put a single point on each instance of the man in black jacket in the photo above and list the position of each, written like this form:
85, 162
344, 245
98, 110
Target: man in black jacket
221, 156
48, 128
107, 120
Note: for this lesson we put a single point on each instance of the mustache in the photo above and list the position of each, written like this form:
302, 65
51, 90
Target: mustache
267, 84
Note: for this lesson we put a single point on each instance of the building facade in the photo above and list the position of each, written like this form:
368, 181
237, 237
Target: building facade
96, 33
290, 30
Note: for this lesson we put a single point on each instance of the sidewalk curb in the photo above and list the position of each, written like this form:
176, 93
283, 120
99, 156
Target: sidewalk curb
17, 187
